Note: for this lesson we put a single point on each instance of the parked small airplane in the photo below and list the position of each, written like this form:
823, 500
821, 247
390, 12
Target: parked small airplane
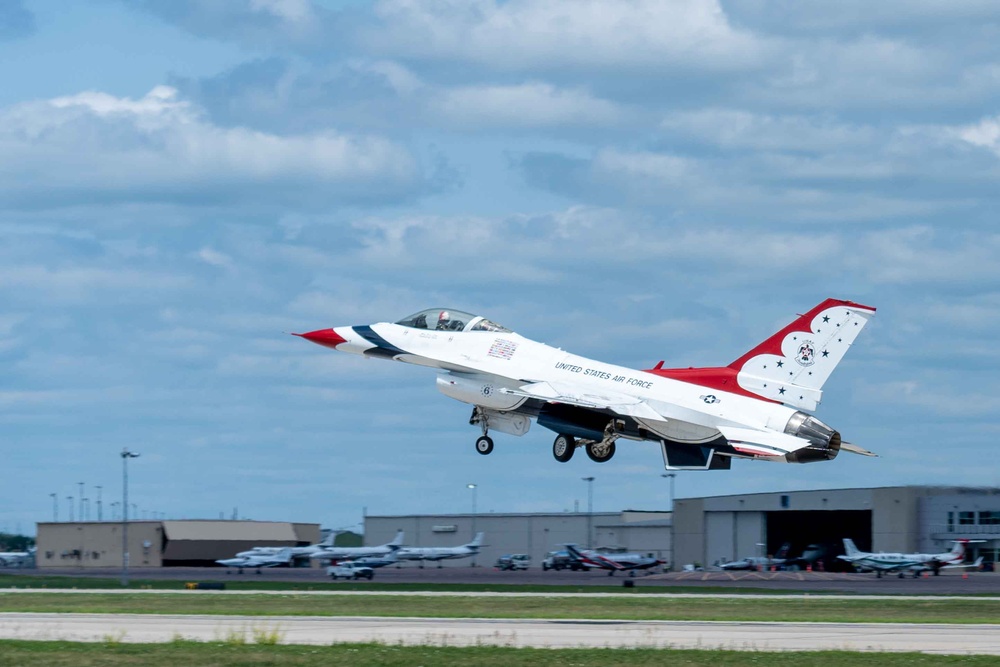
760, 562
376, 561
901, 562
16, 558
296, 551
437, 554
279, 558
702, 418
629, 562
349, 553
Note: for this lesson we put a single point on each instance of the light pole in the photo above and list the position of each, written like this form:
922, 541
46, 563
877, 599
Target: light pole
671, 476
69, 499
100, 516
590, 511
84, 509
80, 499
55, 507
473, 487
126, 455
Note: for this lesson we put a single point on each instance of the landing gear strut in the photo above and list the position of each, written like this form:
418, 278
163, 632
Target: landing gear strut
484, 443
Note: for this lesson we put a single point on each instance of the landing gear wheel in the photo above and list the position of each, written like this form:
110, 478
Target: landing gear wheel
563, 448
600, 453
484, 444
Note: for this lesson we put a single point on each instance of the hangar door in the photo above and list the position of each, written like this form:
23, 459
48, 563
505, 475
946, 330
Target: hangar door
732, 535
824, 528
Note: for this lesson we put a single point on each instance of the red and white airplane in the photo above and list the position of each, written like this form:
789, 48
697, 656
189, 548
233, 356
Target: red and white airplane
702, 418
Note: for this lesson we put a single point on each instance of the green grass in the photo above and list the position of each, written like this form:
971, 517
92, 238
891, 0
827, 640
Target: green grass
222, 654
799, 608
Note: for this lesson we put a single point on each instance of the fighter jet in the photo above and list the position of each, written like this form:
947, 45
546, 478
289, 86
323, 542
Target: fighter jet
702, 418
902, 563
613, 562
337, 554
436, 554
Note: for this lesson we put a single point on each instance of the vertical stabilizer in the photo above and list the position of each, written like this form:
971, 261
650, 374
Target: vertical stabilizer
792, 365
397, 541
850, 550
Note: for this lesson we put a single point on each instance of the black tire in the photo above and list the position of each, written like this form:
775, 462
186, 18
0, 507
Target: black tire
600, 459
484, 445
563, 447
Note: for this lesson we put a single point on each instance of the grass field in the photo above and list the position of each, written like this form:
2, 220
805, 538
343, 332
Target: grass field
112, 654
797, 608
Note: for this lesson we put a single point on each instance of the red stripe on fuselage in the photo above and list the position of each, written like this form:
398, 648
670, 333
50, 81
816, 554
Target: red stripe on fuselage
721, 379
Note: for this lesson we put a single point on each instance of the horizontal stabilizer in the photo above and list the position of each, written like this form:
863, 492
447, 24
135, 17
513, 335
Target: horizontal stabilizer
854, 449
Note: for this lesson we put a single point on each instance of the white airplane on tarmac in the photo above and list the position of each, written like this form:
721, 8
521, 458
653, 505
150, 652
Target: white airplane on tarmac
760, 562
914, 562
295, 551
16, 558
702, 418
350, 553
281, 557
441, 553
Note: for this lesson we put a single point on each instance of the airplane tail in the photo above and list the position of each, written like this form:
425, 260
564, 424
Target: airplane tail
958, 551
783, 551
792, 365
476, 542
850, 550
328, 540
397, 541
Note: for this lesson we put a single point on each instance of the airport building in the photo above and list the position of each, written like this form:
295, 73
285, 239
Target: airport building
532, 534
98, 544
715, 529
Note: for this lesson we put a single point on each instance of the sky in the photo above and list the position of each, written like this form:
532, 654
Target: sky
183, 183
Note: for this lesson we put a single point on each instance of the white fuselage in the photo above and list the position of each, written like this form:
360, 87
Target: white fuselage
491, 364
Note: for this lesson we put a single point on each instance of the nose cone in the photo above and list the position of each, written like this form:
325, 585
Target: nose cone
325, 337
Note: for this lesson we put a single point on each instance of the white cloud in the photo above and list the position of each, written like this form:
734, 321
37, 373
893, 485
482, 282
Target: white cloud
533, 104
985, 134
604, 34
97, 147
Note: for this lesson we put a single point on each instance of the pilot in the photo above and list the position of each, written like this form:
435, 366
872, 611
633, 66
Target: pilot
444, 320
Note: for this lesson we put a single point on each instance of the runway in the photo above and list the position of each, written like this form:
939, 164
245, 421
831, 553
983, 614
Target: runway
142, 628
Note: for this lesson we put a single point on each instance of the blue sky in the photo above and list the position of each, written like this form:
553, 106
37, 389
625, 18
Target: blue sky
183, 182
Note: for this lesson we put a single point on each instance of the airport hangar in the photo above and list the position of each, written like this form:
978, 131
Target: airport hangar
704, 530
194, 542
724, 528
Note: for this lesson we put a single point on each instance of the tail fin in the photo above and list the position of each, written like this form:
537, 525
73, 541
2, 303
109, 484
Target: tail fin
792, 365
783, 551
397, 541
958, 551
328, 540
850, 550
476, 542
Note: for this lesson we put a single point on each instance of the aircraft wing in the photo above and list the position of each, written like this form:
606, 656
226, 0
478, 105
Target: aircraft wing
561, 392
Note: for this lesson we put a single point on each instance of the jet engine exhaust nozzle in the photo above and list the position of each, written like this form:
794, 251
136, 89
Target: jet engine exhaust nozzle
825, 440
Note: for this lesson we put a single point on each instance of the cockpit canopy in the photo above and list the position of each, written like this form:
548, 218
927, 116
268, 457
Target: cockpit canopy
447, 319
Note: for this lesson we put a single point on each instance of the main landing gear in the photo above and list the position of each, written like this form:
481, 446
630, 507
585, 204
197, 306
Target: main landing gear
599, 451
484, 443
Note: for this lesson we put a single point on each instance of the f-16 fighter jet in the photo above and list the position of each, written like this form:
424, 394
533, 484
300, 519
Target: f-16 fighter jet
702, 418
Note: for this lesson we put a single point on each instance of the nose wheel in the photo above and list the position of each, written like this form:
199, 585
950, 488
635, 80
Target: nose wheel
484, 444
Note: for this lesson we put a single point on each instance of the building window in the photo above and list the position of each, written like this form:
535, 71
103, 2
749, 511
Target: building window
991, 518
967, 518
785, 502
951, 522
